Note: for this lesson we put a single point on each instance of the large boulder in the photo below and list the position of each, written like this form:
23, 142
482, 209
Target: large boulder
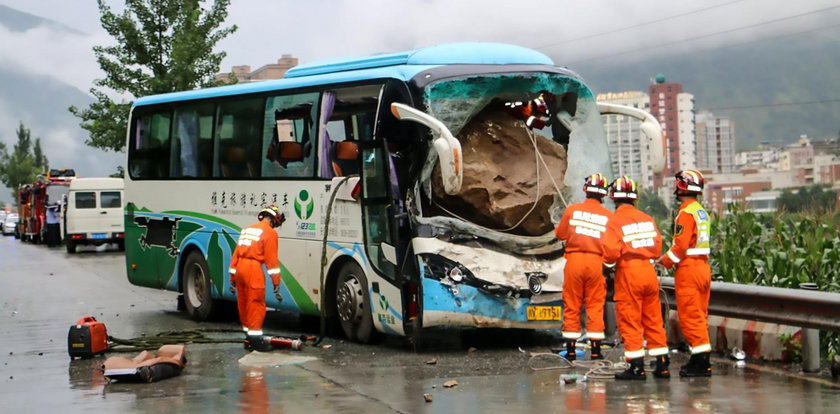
500, 175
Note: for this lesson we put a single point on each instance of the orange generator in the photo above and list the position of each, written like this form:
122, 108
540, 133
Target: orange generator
87, 338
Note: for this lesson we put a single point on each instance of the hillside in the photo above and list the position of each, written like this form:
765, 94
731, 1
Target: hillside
756, 78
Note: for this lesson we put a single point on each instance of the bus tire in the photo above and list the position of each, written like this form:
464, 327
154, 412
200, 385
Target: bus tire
71, 247
196, 286
352, 302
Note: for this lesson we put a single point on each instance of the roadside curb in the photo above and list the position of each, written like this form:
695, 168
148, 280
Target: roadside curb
756, 339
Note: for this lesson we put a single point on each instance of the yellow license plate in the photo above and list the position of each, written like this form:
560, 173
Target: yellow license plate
545, 313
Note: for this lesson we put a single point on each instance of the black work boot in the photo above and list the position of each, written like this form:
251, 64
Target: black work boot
571, 351
698, 366
662, 363
595, 353
635, 372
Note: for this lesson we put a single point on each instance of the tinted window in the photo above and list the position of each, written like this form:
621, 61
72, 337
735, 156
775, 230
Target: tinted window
110, 199
290, 122
85, 199
239, 128
192, 143
149, 147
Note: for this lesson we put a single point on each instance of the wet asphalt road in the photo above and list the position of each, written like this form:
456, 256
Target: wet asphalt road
44, 292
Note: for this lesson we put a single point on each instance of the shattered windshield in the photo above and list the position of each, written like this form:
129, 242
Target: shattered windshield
528, 140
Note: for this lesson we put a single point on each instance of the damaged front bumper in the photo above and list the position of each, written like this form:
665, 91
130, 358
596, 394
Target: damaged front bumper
480, 287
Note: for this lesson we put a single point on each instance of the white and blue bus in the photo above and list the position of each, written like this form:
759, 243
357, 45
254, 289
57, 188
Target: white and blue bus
371, 159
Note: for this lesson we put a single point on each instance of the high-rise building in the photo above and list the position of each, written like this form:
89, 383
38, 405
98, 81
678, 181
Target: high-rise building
715, 143
629, 151
674, 109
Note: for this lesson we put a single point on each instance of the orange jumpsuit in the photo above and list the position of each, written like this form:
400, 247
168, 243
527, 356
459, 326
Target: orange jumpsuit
582, 227
631, 243
257, 245
693, 277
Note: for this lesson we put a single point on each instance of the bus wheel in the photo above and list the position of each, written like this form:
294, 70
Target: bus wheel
352, 304
196, 285
71, 247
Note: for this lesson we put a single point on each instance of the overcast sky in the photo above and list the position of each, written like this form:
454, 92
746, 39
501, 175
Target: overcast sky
568, 31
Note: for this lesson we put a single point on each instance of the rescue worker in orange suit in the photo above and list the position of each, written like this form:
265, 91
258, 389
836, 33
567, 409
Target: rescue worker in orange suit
693, 276
536, 113
631, 244
257, 245
581, 228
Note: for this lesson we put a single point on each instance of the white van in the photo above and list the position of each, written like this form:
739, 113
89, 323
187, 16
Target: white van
94, 213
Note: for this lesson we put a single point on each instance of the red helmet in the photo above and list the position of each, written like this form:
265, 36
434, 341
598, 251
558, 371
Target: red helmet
624, 188
595, 184
689, 182
277, 218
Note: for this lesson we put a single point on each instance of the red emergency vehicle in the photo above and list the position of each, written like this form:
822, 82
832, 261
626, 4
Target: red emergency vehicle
50, 187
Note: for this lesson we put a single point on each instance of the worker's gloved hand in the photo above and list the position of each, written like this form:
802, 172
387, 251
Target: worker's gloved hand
233, 288
277, 293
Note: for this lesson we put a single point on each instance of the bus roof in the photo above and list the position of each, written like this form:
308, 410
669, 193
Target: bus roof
399, 65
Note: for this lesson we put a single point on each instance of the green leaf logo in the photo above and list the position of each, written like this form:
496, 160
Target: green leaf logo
304, 205
383, 302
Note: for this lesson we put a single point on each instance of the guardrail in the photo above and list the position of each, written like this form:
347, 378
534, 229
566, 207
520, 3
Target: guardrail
807, 308
795, 307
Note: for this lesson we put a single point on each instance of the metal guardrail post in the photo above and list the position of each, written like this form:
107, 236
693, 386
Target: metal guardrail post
810, 340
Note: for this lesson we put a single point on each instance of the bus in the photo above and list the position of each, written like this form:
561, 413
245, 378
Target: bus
393, 170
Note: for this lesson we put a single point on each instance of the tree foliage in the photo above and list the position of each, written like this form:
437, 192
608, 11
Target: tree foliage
24, 163
160, 46
808, 199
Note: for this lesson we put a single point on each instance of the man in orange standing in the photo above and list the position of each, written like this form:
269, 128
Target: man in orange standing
257, 245
631, 244
693, 277
581, 228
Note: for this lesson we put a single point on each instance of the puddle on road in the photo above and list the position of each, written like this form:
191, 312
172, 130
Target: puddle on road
273, 359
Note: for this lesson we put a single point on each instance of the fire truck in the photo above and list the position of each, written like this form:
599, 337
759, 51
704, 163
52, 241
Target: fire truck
33, 200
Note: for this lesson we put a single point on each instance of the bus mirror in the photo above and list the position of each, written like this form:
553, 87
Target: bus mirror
448, 148
650, 127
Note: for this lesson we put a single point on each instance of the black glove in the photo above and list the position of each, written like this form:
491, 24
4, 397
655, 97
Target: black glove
282, 218
608, 272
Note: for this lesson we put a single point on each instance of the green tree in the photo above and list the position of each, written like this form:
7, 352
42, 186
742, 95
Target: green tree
811, 199
652, 204
20, 167
161, 46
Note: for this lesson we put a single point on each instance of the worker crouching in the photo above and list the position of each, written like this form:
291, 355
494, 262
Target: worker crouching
257, 245
631, 243
693, 277
581, 228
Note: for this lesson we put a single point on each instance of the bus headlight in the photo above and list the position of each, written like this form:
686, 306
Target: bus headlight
535, 280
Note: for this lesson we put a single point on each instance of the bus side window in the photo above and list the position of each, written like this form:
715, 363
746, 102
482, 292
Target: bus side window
288, 135
237, 130
192, 146
150, 145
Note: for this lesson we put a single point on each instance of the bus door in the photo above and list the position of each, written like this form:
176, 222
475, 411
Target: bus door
383, 217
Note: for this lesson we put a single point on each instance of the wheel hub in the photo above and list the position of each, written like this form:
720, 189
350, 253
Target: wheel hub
349, 300
195, 287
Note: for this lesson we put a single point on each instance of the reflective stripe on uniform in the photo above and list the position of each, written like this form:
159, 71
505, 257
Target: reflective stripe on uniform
658, 351
673, 257
595, 335
254, 333
609, 265
588, 225
634, 354
698, 252
639, 236
571, 335
232, 271
275, 271
701, 349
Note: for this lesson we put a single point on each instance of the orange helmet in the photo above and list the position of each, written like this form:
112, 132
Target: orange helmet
624, 188
277, 218
689, 182
595, 184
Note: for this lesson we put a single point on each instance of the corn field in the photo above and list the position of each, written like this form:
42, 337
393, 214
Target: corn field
781, 250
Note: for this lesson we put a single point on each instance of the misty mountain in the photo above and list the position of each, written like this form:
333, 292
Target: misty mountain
752, 84
41, 103
18, 21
